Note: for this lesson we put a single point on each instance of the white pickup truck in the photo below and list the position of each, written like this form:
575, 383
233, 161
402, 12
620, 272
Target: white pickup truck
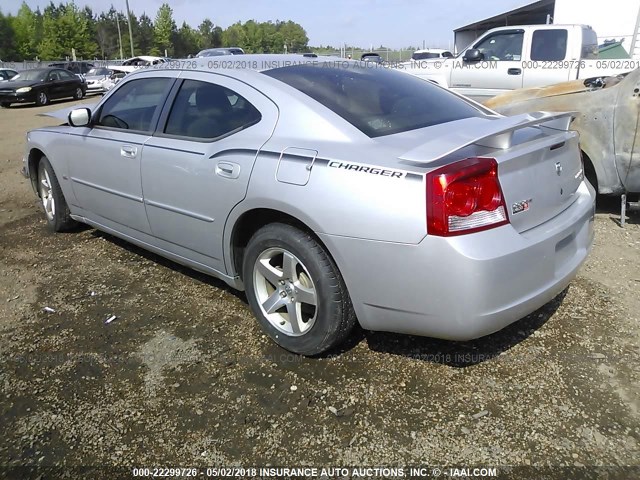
523, 56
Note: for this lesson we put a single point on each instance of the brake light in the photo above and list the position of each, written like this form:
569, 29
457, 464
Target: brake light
465, 197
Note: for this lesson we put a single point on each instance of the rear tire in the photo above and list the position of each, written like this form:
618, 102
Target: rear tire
296, 291
78, 94
42, 98
52, 200
5, 104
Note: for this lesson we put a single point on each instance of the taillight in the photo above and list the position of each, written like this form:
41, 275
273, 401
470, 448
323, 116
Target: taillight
465, 197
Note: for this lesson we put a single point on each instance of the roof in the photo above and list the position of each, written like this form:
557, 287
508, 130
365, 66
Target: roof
256, 62
518, 16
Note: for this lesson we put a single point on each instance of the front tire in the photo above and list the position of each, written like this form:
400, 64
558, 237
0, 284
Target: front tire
55, 206
42, 98
296, 291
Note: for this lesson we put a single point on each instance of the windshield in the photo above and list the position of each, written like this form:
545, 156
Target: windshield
98, 71
375, 100
29, 75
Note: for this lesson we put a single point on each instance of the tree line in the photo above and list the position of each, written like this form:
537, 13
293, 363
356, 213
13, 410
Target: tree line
54, 32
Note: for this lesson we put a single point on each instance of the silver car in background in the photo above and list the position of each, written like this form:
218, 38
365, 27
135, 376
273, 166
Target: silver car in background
100, 79
330, 191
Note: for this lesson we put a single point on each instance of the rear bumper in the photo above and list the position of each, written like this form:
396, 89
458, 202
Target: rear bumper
465, 287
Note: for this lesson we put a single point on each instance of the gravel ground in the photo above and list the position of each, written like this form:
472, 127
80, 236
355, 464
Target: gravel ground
184, 376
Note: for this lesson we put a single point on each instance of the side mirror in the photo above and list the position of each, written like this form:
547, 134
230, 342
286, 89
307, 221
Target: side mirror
80, 117
473, 55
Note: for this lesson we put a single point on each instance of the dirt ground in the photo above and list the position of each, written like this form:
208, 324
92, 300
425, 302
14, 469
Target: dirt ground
184, 376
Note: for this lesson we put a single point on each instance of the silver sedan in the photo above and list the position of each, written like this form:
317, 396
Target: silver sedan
332, 192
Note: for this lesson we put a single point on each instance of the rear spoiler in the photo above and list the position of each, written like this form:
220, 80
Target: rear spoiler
495, 133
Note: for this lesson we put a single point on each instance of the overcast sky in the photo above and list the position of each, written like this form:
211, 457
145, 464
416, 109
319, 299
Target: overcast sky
393, 23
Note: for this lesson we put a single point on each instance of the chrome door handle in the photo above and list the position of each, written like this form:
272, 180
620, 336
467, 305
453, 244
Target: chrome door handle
128, 151
228, 170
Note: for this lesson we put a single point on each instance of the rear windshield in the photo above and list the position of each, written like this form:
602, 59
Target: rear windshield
377, 101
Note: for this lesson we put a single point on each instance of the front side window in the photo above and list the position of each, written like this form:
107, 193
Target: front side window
549, 45
377, 101
502, 46
203, 110
134, 105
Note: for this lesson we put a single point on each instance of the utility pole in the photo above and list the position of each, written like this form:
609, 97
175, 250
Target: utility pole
130, 32
119, 36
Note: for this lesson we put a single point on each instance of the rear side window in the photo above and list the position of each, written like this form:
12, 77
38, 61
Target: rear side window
549, 45
204, 110
64, 75
377, 101
135, 104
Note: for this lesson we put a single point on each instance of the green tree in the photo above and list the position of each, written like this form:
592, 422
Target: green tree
145, 35
107, 34
27, 27
210, 35
64, 30
187, 41
164, 30
294, 36
234, 36
7, 39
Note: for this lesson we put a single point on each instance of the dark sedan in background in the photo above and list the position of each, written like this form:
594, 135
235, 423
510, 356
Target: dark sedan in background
40, 86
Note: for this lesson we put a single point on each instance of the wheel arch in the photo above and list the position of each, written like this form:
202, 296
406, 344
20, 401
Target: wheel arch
249, 222
590, 171
33, 160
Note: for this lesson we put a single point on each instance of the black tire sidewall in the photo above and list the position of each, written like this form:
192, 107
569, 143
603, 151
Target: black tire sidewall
330, 305
61, 220
46, 102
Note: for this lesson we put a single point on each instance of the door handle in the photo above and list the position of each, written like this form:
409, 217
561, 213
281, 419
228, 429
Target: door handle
228, 170
514, 71
128, 151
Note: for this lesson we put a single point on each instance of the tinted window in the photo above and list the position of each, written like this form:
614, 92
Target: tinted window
377, 101
506, 46
64, 75
134, 105
549, 45
206, 111
424, 55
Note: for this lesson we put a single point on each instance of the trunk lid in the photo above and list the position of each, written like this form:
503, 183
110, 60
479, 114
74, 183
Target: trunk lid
539, 178
539, 163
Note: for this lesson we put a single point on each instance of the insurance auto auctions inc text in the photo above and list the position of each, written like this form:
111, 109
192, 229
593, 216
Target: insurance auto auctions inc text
375, 472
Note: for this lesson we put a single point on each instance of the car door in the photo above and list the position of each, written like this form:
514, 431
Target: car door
104, 160
68, 83
196, 168
500, 70
55, 84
